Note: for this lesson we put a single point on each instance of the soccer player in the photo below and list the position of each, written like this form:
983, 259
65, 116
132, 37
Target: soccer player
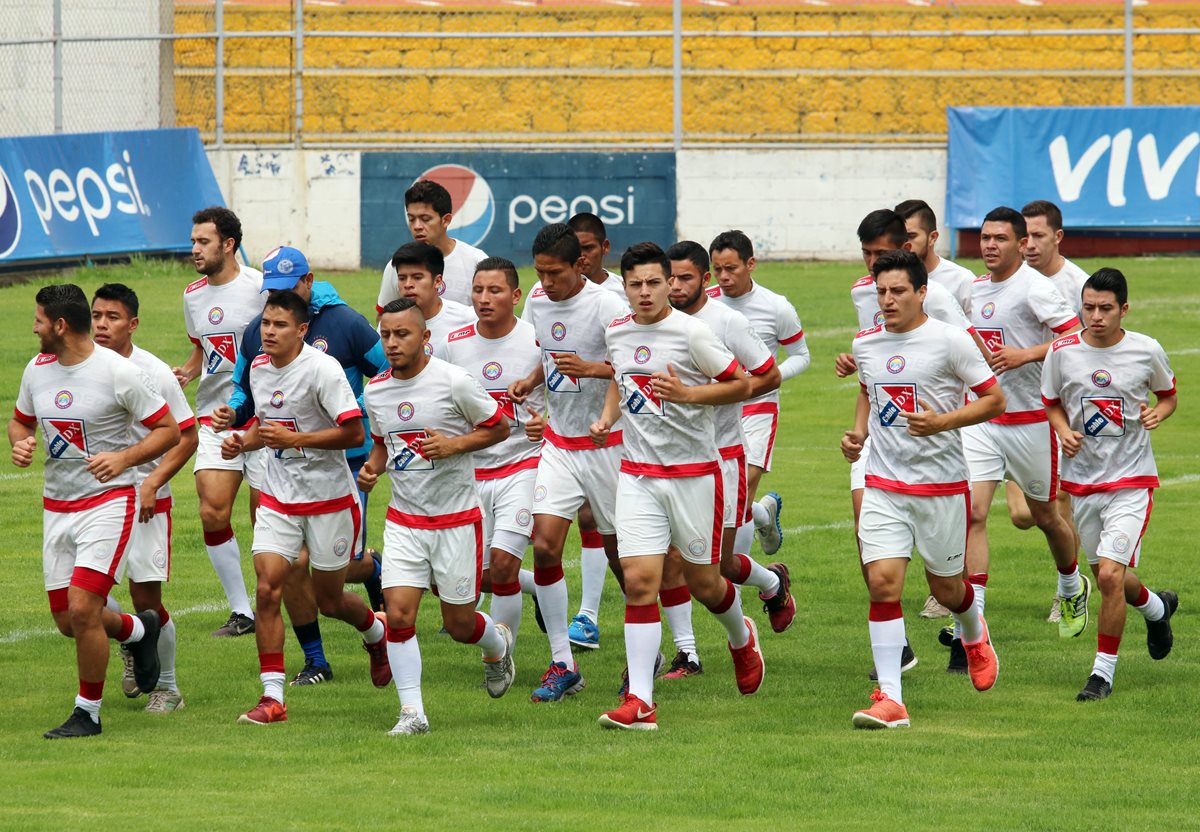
1096, 385
496, 349
339, 331
419, 269
430, 214
569, 314
778, 325
669, 370
309, 416
1044, 224
912, 370
87, 399
1018, 313
216, 310
921, 224
429, 416
148, 561
595, 245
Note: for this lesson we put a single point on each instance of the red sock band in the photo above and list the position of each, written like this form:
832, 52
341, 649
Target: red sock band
480, 626
218, 537
743, 568
979, 578
401, 635
58, 599
642, 614
270, 662
126, 628
1142, 597
968, 599
1070, 570
727, 601
163, 616
674, 596
885, 611
1108, 644
92, 691
591, 540
547, 575
504, 590
368, 622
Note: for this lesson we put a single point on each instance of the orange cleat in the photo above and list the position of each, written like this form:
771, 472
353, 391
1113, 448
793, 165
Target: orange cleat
885, 713
267, 710
982, 662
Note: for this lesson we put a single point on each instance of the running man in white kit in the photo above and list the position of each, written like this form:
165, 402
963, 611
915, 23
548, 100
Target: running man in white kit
430, 212
86, 399
418, 268
1044, 225
1096, 385
778, 325
216, 310
428, 418
921, 225
669, 371
307, 417
148, 561
912, 371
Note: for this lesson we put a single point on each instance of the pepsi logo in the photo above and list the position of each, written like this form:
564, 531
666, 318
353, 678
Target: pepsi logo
471, 201
405, 411
895, 364
10, 216
216, 315
1102, 378
321, 344
277, 399
988, 310
641, 355
63, 399
558, 330
492, 370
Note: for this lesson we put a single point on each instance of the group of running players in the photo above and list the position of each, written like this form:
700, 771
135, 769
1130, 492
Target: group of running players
643, 405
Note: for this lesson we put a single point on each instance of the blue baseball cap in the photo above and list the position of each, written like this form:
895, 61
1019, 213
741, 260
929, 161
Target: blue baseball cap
283, 268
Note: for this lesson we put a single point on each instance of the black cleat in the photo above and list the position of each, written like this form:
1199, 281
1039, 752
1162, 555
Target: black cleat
958, 657
312, 674
373, 586
946, 636
1159, 638
537, 614
1097, 687
908, 660
145, 653
78, 724
236, 625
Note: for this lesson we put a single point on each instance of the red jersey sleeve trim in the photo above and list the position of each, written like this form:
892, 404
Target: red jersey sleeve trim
729, 372
23, 418
376, 437
1170, 392
378, 309
156, 415
971, 330
348, 415
791, 339
1051, 402
195, 341
187, 423
765, 367
1068, 325
983, 385
494, 420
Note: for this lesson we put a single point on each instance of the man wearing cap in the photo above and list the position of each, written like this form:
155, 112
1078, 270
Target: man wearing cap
337, 330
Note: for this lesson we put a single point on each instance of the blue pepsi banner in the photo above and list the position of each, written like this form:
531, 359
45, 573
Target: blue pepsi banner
67, 197
502, 199
1106, 167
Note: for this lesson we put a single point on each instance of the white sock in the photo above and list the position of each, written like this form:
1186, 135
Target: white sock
528, 585
272, 685
743, 538
506, 610
641, 650
734, 621
679, 619
491, 642
92, 706
139, 630
593, 564
1104, 666
227, 563
980, 597
166, 657
374, 633
971, 625
405, 659
1153, 609
887, 643
552, 598
1069, 585
766, 581
761, 517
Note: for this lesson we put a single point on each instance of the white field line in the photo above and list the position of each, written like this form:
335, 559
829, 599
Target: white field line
1184, 480
16, 476
820, 527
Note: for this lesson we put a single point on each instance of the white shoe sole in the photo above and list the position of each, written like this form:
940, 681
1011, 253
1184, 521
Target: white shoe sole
605, 722
864, 720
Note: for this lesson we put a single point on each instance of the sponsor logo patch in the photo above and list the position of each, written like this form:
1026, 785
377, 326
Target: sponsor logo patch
993, 339
893, 400
66, 438
1103, 416
639, 395
406, 447
221, 349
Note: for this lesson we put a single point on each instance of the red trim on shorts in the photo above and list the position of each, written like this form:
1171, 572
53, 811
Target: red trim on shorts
885, 611
591, 539
1021, 417
163, 505
265, 500
270, 662
92, 581
218, 537
478, 558
506, 590
401, 635
494, 419
760, 407
579, 443
744, 566
1135, 558
156, 415
642, 614
1078, 489
547, 575
86, 503
729, 372
1053, 464
983, 385
967, 536
1069, 324
24, 419
741, 508
1108, 644
674, 596
732, 452
791, 339
101, 583
434, 521
931, 489
718, 529
499, 472
58, 599
727, 601
347, 416
968, 598
649, 469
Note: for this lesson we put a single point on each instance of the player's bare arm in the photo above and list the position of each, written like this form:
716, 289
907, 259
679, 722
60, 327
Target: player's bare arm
163, 435
276, 436
191, 368
172, 463
1010, 358
668, 387
520, 389
1071, 440
23, 439
854, 439
439, 446
600, 428
368, 475
1152, 417
926, 421
762, 384
570, 364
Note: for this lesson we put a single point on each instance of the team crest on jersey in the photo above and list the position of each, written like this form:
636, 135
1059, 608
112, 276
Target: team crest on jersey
895, 364
406, 451
321, 344
288, 453
277, 399
1102, 378
988, 310
1103, 416
216, 315
558, 330
492, 370
639, 395
557, 381
405, 411
641, 355
66, 438
878, 319
221, 351
993, 339
428, 350
63, 399
895, 399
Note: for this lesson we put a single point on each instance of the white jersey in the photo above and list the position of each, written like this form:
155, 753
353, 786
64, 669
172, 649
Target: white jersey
1101, 389
773, 318
1023, 311
165, 384
735, 332
85, 409
452, 316
215, 318
496, 363
957, 279
575, 325
427, 493
932, 362
666, 439
458, 273
615, 284
309, 394
1069, 282
939, 305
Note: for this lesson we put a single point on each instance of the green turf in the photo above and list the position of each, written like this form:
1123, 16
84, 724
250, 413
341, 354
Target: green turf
1023, 756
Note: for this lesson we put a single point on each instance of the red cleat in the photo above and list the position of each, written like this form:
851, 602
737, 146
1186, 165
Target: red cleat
884, 713
982, 662
267, 710
748, 665
780, 607
631, 715
381, 671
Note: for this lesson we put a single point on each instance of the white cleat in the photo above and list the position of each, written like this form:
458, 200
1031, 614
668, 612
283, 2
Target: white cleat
498, 675
411, 722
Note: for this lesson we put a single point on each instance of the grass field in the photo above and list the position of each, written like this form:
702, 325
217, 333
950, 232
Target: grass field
1023, 756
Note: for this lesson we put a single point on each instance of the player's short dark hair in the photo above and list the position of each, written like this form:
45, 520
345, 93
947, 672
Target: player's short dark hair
884, 223
558, 240
1109, 280
430, 193
1005, 214
289, 301
403, 305
229, 227
589, 223
500, 264
419, 254
691, 251
734, 240
66, 301
902, 261
641, 254
1044, 208
920, 209
120, 293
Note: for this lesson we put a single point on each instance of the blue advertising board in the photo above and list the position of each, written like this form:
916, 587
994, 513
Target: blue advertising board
66, 197
502, 199
1105, 167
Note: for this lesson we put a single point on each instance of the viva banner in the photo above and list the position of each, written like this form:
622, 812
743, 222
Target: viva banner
68, 197
1106, 167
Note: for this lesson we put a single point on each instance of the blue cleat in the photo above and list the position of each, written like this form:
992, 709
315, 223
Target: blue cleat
558, 681
584, 633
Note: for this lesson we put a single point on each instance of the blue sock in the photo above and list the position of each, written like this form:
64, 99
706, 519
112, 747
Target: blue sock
378, 568
309, 636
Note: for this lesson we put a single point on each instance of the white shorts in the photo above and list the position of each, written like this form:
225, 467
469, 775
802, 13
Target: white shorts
759, 423
733, 487
95, 536
1026, 454
655, 512
891, 525
1111, 524
566, 478
858, 470
451, 559
507, 504
253, 465
331, 538
149, 557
